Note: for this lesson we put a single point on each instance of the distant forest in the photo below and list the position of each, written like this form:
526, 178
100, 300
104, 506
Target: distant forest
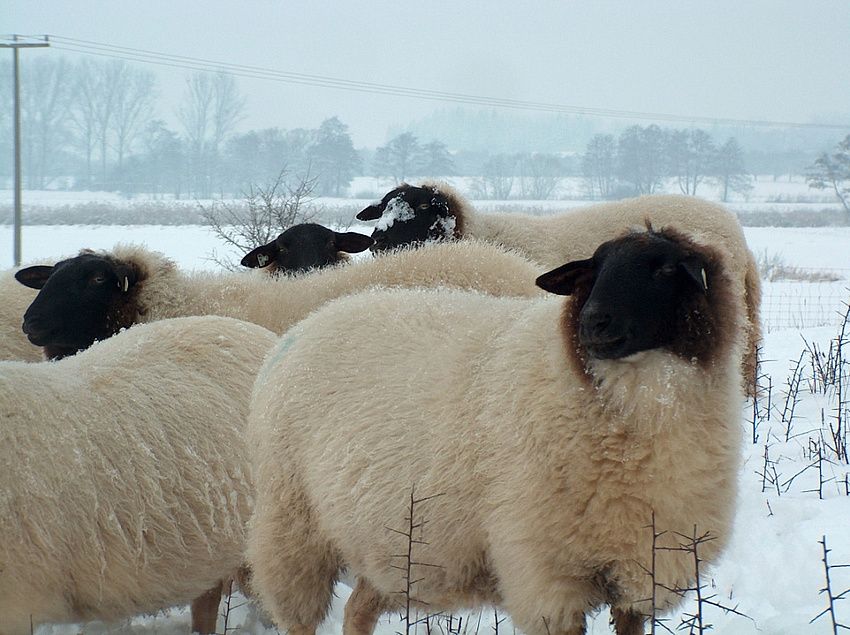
93, 125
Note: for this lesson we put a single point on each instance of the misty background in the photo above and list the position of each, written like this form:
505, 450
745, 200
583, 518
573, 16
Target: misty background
193, 100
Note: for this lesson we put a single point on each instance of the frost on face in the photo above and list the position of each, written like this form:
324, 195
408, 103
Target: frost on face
396, 210
443, 228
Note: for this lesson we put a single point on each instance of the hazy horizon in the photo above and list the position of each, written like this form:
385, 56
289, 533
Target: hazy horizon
766, 61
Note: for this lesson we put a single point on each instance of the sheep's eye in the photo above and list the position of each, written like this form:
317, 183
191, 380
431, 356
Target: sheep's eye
423, 207
664, 269
667, 269
99, 279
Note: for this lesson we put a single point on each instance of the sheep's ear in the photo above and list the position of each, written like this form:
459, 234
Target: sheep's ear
695, 268
34, 277
262, 256
564, 279
373, 212
352, 242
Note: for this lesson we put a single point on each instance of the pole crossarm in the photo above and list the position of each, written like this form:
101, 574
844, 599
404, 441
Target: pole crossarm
20, 44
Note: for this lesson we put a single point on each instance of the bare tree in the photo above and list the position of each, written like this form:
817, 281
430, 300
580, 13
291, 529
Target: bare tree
6, 114
399, 158
730, 171
541, 175
133, 106
641, 158
87, 91
692, 155
497, 180
267, 211
599, 165
45, 94
833, 171
334, 158
437, 160
228, 109
209, 113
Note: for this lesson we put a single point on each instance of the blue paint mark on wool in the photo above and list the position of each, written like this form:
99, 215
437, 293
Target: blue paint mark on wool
273, 361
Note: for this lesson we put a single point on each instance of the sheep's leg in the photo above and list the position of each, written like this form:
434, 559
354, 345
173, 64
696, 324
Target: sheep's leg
294, 567
205, 610
538, 603
627, 622
364, 607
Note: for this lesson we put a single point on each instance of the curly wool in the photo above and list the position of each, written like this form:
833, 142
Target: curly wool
125, 486
539, 488
165, 291
14, 300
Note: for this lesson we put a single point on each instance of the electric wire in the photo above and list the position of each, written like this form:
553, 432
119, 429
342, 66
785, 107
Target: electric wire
276, 75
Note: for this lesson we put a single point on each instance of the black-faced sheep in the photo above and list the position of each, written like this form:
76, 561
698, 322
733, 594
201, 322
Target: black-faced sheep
126, 484
94, 295
14, 300
546, 441
304, 247
436, 211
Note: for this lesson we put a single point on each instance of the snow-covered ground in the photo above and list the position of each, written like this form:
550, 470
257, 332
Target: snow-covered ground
772, 571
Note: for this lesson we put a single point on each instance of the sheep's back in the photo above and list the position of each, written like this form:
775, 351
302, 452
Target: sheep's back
127, 486
574, 234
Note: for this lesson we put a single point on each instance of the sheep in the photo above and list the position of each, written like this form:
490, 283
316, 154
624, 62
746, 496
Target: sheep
14, 300
94, 295
546, 442
436, 211
304, 247
126, 484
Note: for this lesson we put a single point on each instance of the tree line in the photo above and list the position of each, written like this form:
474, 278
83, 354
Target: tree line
94, 124
642, 159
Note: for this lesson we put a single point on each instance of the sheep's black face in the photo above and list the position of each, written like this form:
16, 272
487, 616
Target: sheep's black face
306, 246
410, 215
74, 307
641, 287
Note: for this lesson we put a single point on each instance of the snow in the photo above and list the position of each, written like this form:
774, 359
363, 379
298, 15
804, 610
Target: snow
772, 570
397, 209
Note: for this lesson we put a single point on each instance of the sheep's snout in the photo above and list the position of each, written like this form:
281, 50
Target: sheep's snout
36, 330
602, 335
382, 242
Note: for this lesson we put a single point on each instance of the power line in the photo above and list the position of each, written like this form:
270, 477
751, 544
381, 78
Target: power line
276, 75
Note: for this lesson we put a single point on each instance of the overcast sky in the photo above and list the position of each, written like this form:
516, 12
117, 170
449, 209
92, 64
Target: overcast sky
777, 60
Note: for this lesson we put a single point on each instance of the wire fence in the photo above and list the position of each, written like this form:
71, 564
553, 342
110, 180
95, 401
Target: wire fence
797, 304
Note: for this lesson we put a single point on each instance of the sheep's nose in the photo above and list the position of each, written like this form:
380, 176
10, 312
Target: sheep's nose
35, 329
594, 322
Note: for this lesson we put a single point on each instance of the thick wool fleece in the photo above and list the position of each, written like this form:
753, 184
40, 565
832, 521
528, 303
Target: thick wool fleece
14, 300
278, 303
539, 485
573, 235
125, 486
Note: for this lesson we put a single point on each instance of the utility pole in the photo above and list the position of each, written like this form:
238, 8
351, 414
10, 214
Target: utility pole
15, 45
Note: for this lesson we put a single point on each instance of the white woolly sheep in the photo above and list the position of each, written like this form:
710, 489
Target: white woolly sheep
94, 295
304, 247
546, 441
126, 485
14, 300
436, 211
